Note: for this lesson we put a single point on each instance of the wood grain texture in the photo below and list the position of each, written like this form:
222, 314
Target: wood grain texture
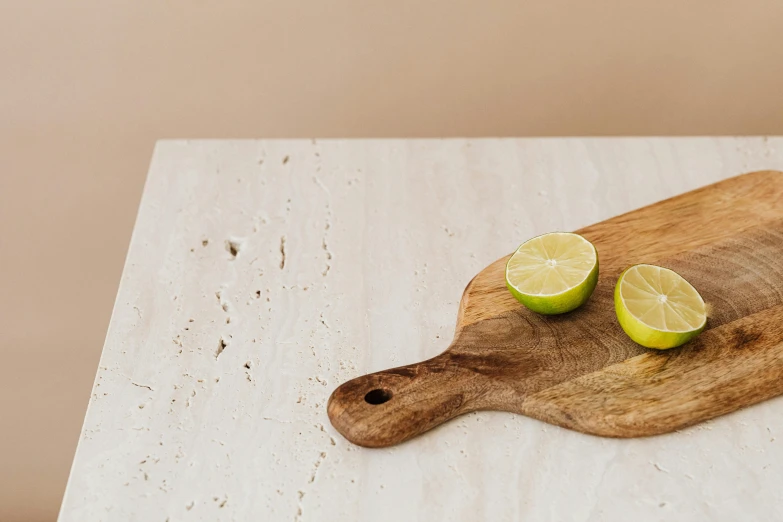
381, 237
726, 239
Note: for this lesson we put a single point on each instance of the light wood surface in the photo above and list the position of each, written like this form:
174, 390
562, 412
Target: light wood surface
351, 257
579, 370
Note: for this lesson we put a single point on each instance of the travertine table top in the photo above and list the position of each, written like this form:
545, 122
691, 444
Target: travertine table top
262, 274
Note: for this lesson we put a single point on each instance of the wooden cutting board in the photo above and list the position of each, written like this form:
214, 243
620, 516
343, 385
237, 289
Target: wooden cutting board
579, 370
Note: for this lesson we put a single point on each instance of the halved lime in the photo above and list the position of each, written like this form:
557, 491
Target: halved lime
657, 307
553, 273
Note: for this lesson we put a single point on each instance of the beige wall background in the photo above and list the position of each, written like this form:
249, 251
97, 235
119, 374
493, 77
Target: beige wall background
87, 86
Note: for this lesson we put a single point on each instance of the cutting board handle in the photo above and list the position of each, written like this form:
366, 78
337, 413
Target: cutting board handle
389, 407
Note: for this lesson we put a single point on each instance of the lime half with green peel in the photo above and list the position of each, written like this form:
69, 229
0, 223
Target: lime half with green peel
554, 273
657, 307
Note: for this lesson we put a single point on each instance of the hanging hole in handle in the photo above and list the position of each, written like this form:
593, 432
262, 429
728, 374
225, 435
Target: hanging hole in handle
377, 396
